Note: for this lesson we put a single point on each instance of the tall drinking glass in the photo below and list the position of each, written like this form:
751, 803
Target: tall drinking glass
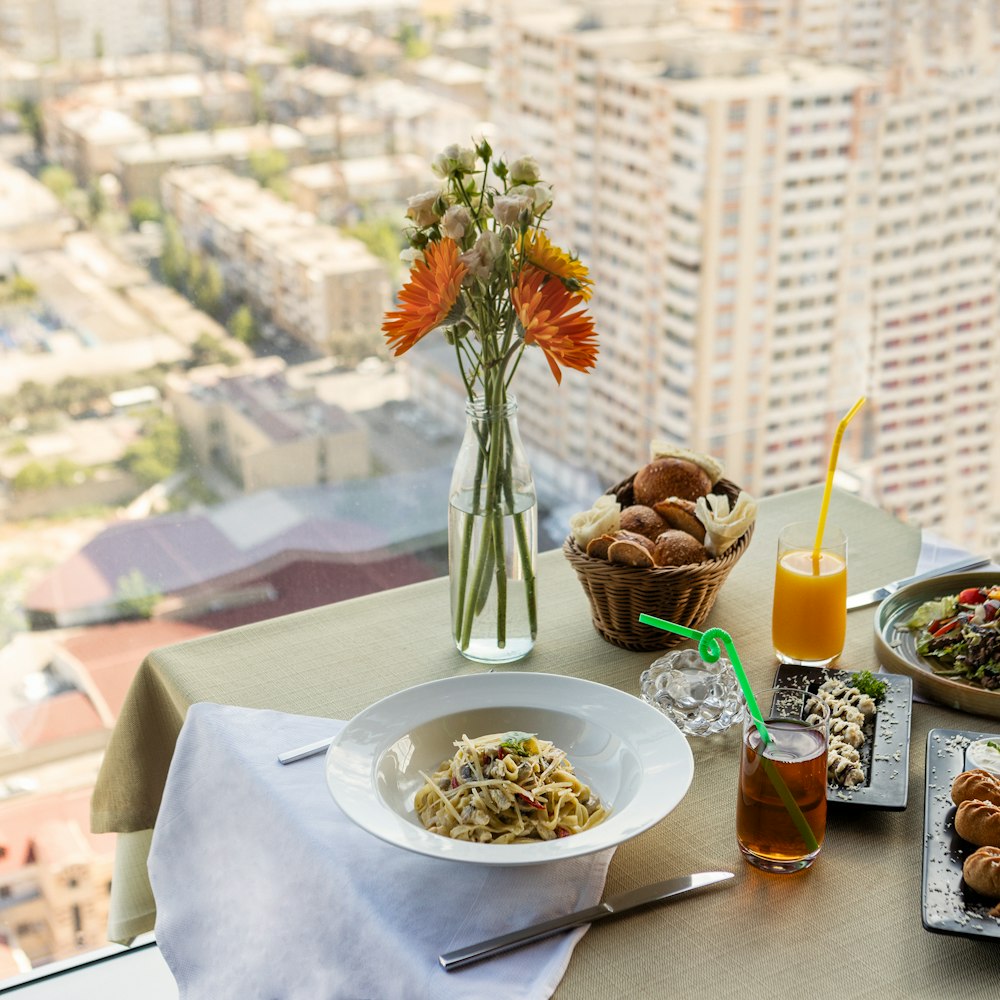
809, 615
781, 807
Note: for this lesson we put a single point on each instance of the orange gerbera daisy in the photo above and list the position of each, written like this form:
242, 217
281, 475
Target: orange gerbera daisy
544, 254
545, 308
427, 298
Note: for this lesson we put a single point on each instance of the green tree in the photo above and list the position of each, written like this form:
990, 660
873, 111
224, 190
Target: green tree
31, 478
207, 288
209, 350
157, 454
18, 289
257, 98
174, 262
59, 181
142, 210
243, 327
267, 166
135, 597
383, 237
31, 122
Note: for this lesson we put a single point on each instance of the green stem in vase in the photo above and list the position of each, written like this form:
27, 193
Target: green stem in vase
522, 546
467, 528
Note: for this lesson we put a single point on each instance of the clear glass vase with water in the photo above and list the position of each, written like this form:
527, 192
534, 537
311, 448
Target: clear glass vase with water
492, 538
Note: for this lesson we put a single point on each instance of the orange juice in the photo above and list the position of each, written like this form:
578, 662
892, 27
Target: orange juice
809, 617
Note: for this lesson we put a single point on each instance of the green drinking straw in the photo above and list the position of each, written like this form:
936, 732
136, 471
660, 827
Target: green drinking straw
709, 649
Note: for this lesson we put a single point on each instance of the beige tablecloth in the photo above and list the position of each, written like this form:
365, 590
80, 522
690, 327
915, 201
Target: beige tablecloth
850, 926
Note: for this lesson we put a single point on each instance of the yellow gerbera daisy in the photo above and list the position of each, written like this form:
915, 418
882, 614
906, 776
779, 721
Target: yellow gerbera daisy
546, 256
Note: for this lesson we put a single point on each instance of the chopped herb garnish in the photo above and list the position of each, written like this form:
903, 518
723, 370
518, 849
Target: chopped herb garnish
993, 744
866, 682
517, 742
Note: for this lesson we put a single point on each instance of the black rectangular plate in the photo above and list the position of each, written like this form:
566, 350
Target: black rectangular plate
948, 905
885, 757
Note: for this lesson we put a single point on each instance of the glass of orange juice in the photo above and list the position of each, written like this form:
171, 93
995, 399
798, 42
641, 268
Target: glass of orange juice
809, 615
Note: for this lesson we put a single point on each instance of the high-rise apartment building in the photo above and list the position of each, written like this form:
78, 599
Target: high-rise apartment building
755, 220
53, 30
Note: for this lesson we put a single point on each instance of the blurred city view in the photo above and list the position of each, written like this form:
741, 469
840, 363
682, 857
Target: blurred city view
784, 204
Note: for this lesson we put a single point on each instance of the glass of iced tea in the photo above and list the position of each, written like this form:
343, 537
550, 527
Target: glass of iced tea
809, 614
781, 806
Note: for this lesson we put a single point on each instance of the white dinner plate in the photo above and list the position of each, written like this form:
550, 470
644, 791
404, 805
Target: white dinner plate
634, 758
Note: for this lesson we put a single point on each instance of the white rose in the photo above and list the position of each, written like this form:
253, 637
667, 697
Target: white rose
524, 171
540, 195
452, 158
604, 518
508, 208
455, 221
481, 258
420, 208
411, 255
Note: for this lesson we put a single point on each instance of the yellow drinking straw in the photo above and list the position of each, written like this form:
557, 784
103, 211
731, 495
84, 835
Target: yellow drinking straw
828, 489
710, 645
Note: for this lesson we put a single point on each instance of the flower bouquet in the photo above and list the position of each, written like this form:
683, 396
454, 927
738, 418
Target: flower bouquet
484, 271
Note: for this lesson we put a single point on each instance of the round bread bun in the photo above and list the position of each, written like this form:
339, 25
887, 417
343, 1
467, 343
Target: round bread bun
981, 871
977, 784
670, 477
978, 823
678, 548
598, 547
680, 514
631, 549
643, 521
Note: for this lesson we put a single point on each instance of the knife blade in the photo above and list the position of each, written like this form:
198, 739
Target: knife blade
609, 908
866, 597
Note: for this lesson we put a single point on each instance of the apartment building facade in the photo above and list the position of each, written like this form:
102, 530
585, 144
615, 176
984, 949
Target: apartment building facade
737, 206
253, 426
308, 279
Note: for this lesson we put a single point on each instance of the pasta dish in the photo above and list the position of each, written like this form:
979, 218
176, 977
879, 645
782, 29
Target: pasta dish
507, 788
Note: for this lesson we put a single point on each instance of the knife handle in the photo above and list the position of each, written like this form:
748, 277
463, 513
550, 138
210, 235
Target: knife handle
505, 942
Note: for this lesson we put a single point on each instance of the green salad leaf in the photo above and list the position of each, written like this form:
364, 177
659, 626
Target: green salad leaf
931, 611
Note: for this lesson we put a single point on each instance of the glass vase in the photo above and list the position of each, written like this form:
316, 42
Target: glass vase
492, 538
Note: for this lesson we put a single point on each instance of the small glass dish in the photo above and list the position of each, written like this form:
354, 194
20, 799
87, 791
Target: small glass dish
699, 698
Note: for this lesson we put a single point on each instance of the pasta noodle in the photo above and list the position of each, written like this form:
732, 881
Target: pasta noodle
506, 788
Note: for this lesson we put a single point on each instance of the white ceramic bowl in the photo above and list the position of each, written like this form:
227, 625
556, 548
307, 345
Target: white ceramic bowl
633, 757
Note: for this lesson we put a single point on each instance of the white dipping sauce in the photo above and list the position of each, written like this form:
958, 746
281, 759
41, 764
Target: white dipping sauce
980, 754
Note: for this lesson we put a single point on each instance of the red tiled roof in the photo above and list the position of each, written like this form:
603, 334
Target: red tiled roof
21, 819
61, 717
111, 654
311, 583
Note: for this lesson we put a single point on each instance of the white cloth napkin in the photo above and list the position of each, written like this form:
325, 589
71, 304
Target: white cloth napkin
265, 890
937, 551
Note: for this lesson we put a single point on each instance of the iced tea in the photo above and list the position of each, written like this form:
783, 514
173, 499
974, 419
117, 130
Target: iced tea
766, 830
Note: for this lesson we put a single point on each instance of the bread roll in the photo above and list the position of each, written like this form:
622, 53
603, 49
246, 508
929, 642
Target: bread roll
598, 547
678, 548
680, 514
669, 477
631, 549
643, 521
981, 871
977, 784
978, 823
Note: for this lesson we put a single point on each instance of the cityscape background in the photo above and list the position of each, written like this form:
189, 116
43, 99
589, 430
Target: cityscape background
784, 204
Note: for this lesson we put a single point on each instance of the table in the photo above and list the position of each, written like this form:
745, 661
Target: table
850, 925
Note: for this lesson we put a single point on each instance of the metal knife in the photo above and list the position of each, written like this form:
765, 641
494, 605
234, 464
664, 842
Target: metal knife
609, 908
867, 597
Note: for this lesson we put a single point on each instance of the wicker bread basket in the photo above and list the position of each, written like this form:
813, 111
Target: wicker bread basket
682, 594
